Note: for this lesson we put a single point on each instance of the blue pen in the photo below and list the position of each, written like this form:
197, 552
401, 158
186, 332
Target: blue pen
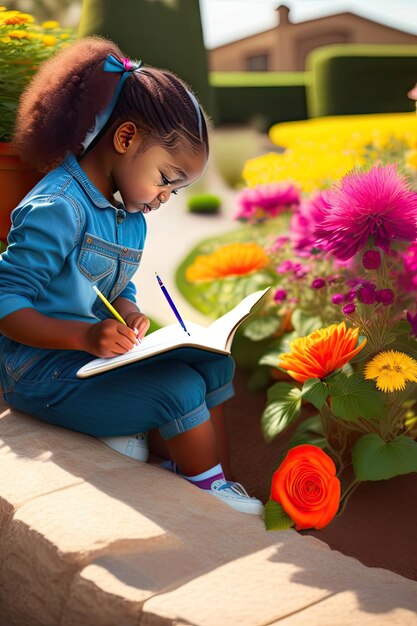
170, 302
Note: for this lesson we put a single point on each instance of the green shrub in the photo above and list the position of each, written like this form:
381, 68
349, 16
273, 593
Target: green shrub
206, 203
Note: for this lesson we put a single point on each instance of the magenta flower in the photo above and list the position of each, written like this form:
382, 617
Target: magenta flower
278, 244
386, 296
371, 260
408, 279
366, 294
280, 295
377, 206
412, 320
338, 298
318, 283
305, 219
259, 203
350, 295
348, 309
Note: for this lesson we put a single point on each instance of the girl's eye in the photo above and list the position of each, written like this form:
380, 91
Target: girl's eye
166, 181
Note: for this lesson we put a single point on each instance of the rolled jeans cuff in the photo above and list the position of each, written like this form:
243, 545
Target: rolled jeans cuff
218, 396
186, 422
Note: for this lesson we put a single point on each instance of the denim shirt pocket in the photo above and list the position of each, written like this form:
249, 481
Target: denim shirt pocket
98, 261
129, 260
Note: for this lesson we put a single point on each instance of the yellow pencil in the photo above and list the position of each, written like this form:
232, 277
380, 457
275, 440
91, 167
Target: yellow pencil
109, 306
113, 310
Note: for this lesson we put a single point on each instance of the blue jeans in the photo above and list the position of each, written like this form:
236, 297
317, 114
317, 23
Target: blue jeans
172, 392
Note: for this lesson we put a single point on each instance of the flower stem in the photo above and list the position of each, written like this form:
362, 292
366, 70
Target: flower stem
348, 492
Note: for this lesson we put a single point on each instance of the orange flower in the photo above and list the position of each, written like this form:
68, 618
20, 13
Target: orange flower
306, 486
322, 352
233, 259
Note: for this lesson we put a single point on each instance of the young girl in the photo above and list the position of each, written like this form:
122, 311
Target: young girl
100, 124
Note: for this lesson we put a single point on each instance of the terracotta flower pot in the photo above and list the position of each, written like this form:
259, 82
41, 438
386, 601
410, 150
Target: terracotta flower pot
16, 180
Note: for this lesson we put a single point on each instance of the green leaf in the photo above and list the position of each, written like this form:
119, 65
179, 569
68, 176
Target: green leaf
309, 431
315, 391
353, 397
304, 323
275, 517
375, 459
262, 327
271, 358
283, 407
276, 348
260, 379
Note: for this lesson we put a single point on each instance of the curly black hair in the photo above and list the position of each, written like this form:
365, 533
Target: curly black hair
60, 104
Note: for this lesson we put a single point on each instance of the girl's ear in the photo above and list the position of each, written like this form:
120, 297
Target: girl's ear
124, 136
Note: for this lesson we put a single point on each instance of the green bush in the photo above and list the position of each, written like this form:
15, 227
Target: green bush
206, 203
352, 79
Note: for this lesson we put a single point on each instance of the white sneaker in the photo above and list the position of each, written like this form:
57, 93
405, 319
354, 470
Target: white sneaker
135, 446
236, 496
233, 494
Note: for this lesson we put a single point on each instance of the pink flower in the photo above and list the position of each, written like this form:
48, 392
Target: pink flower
371, 260
412, 320
348, 309
408, 279
318, 283
278, 244
377, 206
338, 298
305, 219
366, 294
280, 295
257, 204
386, 296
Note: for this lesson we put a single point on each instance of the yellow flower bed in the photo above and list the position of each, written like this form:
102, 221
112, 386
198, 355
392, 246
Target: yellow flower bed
343, 132
322, 150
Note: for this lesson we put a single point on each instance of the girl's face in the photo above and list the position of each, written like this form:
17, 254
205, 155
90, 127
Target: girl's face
147, 180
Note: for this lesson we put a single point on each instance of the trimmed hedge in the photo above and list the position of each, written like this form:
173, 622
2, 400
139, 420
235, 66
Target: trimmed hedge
358, 78
260, 98
163, 34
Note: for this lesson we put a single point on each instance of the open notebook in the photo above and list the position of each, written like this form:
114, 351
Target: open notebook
217, 337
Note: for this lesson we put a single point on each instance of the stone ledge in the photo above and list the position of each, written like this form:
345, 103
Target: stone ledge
91, 538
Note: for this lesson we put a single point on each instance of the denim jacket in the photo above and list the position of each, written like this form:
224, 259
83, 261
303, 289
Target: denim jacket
65, 238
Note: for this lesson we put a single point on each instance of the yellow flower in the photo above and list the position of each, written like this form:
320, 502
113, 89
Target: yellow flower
391, 370
411, 159
322, 352
3, 8
234, 259
18, 34
50, 24
5, 39
49, 40
64, 36
17, 19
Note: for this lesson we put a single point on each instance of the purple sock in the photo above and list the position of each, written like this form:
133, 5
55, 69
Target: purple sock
205, 479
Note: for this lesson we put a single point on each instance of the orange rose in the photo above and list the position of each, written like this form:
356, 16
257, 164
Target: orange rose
306, 486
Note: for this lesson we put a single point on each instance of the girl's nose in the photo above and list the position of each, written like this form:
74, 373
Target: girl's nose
164, 197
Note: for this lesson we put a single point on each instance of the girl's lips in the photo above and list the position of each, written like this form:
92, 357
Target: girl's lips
149, 207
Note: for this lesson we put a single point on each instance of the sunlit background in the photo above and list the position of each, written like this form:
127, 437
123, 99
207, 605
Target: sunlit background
226, 20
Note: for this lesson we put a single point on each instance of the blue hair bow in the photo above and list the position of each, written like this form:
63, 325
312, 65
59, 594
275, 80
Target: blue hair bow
112, 64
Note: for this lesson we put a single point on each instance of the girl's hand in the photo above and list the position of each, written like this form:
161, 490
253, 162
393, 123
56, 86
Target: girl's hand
139, 321
109, 338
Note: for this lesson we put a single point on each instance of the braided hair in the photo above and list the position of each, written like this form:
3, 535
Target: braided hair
60, 104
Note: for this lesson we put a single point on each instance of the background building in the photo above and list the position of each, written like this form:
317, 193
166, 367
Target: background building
285, 47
